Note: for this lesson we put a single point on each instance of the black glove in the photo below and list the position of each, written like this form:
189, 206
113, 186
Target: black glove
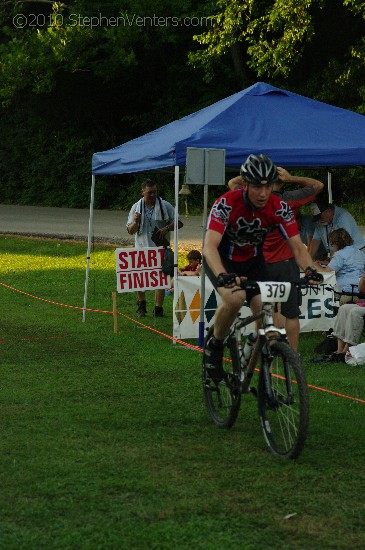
311, 274
226, 279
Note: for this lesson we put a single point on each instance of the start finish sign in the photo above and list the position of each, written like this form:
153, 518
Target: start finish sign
140, 269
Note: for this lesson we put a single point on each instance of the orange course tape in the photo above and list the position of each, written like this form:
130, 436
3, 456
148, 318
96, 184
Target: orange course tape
185, 344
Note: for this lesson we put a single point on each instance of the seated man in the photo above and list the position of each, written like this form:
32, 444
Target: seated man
328, 217
306, 228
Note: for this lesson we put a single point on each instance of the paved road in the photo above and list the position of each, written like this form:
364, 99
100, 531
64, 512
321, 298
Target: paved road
73, 223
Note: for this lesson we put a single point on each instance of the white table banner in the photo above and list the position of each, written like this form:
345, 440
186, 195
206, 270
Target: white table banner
317, 307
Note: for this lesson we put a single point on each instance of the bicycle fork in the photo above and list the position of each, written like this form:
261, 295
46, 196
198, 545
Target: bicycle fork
274, 399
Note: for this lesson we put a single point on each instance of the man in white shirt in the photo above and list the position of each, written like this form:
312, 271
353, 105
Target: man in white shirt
151, 219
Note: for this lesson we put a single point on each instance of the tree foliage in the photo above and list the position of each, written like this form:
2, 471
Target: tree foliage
283, 38
81, 77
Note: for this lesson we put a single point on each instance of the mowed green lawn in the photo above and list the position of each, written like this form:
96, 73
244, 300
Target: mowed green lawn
105, 441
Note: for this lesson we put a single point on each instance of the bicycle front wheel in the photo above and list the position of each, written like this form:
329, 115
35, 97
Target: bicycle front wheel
223, 399
283, 401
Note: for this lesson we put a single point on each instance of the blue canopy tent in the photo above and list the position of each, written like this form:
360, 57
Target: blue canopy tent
293, 130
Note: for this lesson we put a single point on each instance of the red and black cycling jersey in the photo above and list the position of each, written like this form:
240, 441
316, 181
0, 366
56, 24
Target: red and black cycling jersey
275, 248
244, 228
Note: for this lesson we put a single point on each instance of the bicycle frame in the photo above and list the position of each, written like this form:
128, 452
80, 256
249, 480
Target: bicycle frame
266, 334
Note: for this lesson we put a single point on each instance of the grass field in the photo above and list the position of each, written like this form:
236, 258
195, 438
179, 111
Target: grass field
106, 444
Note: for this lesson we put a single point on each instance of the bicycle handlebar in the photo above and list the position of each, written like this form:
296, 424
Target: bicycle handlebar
246, 284
228, 280
253, 285
273, 291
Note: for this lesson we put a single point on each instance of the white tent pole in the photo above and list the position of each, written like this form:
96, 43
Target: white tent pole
176, 238
329, 185
176, 224
89, 238
202, 279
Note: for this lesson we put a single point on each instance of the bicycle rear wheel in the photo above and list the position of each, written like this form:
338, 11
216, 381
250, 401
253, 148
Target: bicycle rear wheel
223, 399
284, 414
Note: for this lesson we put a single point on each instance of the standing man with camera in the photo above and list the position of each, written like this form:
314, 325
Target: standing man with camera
151, 219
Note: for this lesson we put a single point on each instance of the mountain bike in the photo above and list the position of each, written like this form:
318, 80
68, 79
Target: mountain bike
282, 393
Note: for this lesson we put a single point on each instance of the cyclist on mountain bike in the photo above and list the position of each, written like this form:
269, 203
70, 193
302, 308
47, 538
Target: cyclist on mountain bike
237, 225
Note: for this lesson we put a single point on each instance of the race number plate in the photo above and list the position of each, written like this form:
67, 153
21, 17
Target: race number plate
274, 292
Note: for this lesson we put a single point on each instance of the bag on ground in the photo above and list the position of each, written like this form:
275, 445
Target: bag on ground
355, 355
327, 346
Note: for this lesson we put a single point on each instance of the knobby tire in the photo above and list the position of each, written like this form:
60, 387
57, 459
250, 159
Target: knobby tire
284, 418
223, 400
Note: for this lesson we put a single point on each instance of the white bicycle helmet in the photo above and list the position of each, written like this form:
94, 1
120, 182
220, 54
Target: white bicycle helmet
259, 169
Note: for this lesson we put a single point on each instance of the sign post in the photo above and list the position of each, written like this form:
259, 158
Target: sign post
204, 167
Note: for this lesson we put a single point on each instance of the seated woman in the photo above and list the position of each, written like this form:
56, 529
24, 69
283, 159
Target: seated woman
349, 325
348, 262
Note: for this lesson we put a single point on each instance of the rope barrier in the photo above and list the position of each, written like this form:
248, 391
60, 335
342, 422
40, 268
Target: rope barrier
52, 302
152, 329
337, 394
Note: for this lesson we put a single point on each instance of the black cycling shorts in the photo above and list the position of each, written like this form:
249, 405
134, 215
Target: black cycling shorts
287, 271
254, 269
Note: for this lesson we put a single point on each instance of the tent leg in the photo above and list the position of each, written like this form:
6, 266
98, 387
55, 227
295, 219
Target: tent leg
176, 235
176, 224
329, 185
89, 239
202, 281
